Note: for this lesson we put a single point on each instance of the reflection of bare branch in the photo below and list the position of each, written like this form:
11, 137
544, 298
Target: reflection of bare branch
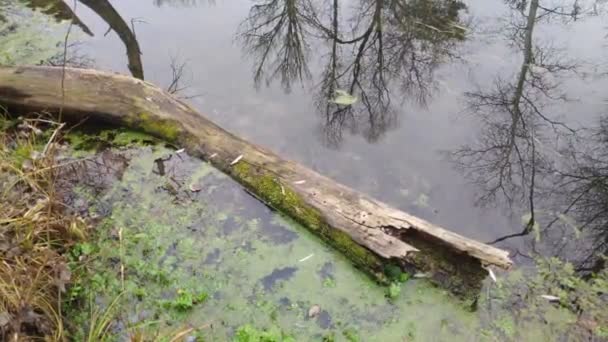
506, 160
399, 45
59, 10
74, 58
583, 187
274, 33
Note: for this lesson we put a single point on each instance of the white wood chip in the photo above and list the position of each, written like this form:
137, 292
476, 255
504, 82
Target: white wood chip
306, 257
213, 155
236, 160
492, 275
181, 150
550, 298
300, 182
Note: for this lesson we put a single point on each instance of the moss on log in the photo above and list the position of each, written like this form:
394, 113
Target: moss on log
371, 233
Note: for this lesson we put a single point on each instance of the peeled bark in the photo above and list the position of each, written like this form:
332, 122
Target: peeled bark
372, 234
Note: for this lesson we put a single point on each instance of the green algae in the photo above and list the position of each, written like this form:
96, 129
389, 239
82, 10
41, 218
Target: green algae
281, 197
222, 244
96, 139
28, 37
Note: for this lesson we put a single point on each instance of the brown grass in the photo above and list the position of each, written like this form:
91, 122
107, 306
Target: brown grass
35, 232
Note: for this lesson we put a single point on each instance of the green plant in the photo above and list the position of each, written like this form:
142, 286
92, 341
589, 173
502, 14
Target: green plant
185, 300
393, 291
248, 333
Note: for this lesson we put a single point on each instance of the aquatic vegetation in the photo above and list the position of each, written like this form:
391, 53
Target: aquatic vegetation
185, 300
248, 333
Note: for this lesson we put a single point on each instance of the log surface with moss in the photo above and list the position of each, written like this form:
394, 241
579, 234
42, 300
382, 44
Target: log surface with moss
375, 236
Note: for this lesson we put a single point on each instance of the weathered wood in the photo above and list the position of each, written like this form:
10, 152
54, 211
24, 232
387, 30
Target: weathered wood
371, 233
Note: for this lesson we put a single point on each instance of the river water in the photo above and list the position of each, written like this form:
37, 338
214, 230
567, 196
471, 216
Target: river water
411, 111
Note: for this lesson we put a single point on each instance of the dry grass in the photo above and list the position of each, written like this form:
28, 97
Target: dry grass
35, 232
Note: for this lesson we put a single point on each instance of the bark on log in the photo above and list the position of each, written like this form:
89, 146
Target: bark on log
372, 234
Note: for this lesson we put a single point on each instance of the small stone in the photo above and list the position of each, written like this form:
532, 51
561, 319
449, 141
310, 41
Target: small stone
314, 311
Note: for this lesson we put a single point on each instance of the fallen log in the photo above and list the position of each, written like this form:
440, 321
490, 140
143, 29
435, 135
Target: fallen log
372, 234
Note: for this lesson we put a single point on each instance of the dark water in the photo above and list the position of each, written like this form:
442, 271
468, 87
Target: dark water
437, 76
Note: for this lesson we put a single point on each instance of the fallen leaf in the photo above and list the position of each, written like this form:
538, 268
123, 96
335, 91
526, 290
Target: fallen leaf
343, 98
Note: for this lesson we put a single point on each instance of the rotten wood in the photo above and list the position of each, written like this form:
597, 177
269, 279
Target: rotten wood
371, 233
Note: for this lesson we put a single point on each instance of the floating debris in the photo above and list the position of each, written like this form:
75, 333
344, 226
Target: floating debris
314, 311
343, 98
236, 160
306, 257
550, 298
492, 275
421, 275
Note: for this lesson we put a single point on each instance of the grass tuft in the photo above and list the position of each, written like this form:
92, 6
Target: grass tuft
35, 231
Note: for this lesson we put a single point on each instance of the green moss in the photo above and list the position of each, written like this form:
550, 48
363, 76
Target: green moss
281, 197
165, 129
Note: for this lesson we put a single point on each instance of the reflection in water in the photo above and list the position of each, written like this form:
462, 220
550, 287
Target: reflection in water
106, 11
392, 44
61, 11
58, 10
520, 155
181, 3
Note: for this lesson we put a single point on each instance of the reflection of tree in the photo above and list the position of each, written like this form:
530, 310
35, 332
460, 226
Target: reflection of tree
394, 43
583, 188
274, 33
520, 154
181, 3
59, 10
108, 13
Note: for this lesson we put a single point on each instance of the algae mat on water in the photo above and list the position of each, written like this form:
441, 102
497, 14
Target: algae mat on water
189, 247
181, 246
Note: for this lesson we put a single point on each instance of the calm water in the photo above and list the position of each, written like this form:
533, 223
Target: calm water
411, 109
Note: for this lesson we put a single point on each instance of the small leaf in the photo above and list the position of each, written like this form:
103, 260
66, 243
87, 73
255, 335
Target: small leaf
343, 98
